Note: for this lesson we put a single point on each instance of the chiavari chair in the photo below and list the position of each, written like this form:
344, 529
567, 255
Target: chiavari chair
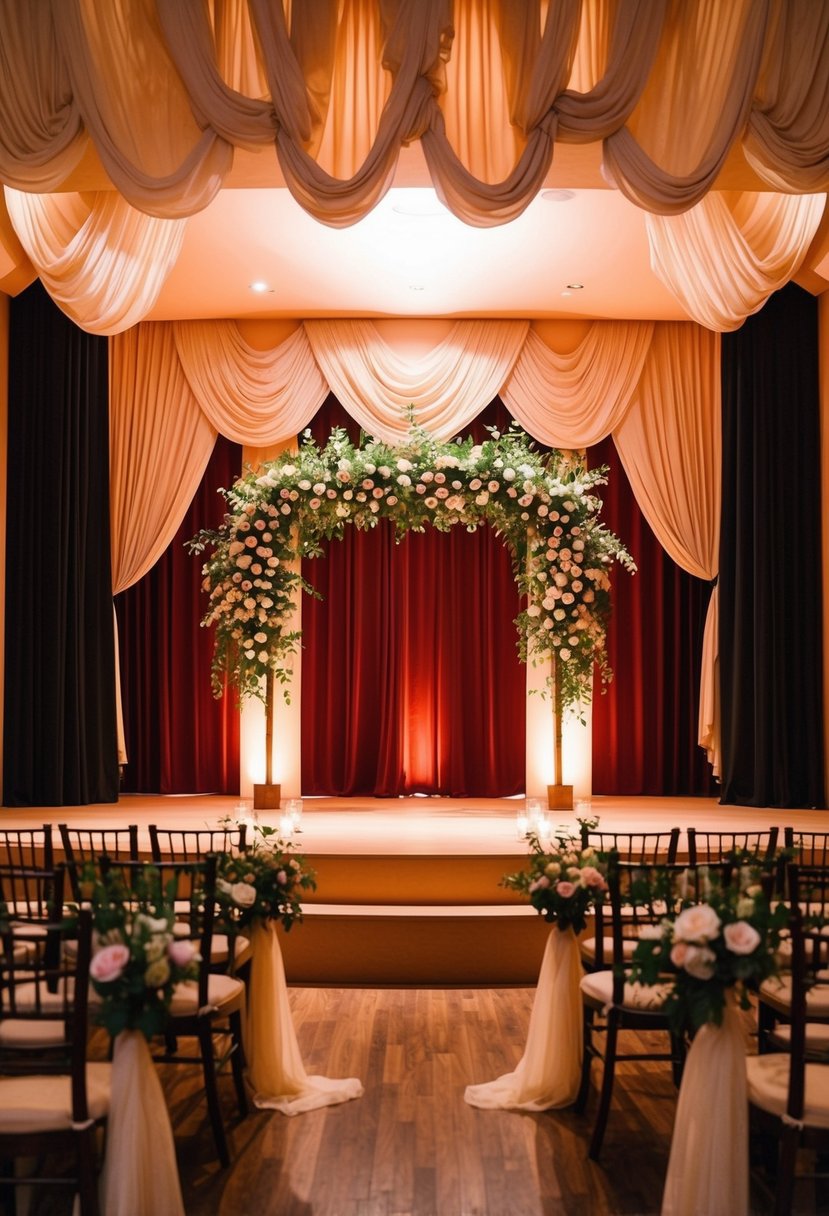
51, 1100
789, 1089
84, 845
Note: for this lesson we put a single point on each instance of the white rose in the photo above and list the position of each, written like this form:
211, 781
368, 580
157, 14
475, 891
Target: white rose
304, 484
565, 653
243, 894
404, 479
509, 474
482, 499
405, 466
533, 610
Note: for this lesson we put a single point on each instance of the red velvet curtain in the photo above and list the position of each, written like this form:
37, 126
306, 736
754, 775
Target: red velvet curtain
411, 681
645, 726
179, 738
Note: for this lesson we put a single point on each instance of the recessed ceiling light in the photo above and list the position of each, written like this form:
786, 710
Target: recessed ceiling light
575, 286
259, 286
557, 196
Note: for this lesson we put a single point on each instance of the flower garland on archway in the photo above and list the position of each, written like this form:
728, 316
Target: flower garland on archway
542, 505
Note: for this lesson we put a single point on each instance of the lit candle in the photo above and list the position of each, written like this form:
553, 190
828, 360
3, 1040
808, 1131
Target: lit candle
286, 826
522, 824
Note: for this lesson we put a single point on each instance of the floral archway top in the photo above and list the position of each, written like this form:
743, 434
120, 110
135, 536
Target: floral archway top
542, 505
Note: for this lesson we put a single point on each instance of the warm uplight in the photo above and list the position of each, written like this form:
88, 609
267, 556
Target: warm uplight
260, 286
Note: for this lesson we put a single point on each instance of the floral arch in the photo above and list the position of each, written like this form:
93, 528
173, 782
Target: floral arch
542, 505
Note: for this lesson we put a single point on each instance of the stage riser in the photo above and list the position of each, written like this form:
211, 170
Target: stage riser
412, 880
442, 948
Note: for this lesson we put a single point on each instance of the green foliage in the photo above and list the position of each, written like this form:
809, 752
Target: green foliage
543, 507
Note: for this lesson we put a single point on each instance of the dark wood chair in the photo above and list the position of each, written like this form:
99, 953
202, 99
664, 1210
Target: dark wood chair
789, 1088
210, 1009
51, 1100
194, 844
711, 848
83, 846
807, 848
27, 848
611, 1004
649, 848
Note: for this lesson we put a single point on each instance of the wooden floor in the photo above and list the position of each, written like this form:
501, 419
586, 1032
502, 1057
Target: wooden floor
411, 1146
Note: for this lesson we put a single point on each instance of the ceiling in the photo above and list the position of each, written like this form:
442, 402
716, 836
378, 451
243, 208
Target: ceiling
412, 257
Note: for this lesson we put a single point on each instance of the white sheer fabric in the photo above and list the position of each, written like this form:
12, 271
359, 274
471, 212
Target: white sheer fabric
275, 1067
140, 1174
723, 264
104, 264
708, 1167
549, 1071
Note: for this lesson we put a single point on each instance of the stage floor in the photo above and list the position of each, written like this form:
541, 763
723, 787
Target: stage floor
419, 826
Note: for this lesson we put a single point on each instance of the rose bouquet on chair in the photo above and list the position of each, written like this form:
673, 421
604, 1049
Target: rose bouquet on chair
723, 942
263, 883
136, 966
137, 960
564, 880
725, 939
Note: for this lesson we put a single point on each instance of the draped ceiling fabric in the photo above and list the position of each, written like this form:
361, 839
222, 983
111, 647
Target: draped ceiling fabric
655, 387
165, 91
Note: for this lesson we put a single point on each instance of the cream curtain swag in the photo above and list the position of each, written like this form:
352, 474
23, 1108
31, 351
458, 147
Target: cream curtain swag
722, 264
448, 387
103, 264
669, 86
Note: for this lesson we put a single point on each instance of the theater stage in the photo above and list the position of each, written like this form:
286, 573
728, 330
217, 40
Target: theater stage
408, 888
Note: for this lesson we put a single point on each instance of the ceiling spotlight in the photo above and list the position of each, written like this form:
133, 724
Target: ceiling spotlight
575, 286
260, 286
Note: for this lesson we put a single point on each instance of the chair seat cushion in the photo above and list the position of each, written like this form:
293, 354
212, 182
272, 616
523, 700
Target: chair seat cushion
223, 992
588, 948
597, 987
817, 1037
768, 1087
31, 1034
777, 992
44, 1104
219, 949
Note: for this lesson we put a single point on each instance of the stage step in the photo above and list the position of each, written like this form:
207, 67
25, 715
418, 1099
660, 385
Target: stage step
414, 878
347, 945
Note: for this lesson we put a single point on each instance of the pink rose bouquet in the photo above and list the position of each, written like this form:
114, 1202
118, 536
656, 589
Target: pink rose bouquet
725, 936
564, 881
136, 960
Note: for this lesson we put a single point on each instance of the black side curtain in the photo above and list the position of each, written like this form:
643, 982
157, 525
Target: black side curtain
60, 743
770, 558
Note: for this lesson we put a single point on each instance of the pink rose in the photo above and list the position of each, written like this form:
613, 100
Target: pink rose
281, 877
566, 889
181, 952
591, 877
741, 937
698, 923
108, 964
678, 953
700, 962
539, 884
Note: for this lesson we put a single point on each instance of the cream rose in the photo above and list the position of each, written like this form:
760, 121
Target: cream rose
699, 923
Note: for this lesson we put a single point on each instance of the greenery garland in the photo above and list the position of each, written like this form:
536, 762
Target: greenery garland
542, 505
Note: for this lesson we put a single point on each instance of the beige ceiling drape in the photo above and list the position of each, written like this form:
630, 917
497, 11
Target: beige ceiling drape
166, 90
655, 387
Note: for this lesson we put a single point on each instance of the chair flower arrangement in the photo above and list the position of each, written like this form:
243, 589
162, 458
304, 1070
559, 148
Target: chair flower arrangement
137, 960
262, 884
563, 882
723, 942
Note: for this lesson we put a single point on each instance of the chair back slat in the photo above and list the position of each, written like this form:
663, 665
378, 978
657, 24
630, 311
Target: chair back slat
808, 888
651, 848
710, 848
27, 848
194, 844
82, 846
807, 848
